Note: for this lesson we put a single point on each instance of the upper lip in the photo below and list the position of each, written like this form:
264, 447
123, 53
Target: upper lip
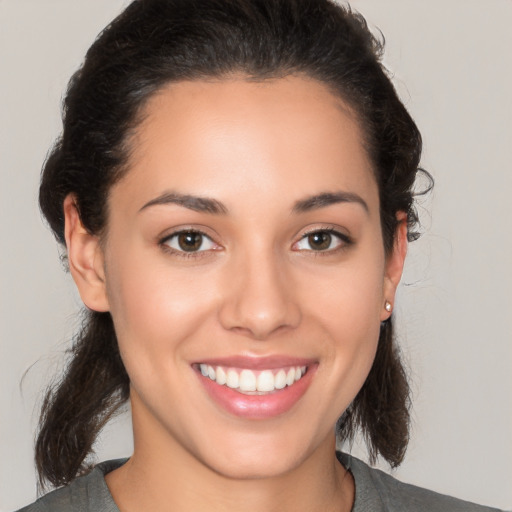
257, 362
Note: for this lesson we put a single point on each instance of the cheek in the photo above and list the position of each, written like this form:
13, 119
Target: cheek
153, 307
156, 314
354, 325
349, 298
349, 314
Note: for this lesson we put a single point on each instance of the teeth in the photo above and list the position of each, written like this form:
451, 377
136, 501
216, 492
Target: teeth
247, 381
280, 379
221, 376
265, 381
232, 379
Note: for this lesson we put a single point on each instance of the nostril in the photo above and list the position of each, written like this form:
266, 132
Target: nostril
259, 300
259, 308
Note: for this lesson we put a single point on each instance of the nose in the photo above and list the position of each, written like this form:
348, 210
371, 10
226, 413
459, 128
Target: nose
259, 298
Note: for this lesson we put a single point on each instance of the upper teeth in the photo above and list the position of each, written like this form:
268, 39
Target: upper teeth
253, 381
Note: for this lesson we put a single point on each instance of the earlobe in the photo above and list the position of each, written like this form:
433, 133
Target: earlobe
85, 257
394, 265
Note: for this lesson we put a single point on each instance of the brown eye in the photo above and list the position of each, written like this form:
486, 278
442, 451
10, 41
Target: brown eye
189, 241
320, 241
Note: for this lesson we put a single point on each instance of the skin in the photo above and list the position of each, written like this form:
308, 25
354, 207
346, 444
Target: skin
258, 288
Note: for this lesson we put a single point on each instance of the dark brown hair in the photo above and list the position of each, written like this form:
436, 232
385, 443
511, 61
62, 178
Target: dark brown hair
156, 42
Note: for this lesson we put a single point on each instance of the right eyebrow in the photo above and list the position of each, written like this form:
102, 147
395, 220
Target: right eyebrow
196, 203
328, 198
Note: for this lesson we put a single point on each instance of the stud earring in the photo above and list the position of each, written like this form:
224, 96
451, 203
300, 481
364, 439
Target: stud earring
388, 307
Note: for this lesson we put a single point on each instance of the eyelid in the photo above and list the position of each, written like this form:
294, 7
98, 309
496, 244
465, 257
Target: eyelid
164, 239
345, 239
187, 228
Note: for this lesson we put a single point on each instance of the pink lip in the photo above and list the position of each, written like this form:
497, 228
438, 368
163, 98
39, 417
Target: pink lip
257, 362
258, 407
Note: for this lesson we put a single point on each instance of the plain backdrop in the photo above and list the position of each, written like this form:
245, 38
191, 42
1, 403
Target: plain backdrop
451, 62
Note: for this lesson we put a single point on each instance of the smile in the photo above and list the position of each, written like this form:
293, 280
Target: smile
256, 388
253, 382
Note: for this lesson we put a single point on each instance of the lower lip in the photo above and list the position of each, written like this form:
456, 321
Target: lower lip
258, 406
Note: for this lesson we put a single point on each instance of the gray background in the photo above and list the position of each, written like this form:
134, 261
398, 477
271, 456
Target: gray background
451, 62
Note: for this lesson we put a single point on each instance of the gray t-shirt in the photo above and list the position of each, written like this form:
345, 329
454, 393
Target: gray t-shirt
376, 491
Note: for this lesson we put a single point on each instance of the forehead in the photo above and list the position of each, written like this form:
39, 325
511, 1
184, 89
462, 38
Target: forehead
217, 137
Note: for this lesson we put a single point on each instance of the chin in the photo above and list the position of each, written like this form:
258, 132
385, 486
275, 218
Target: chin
259, 457
256, 468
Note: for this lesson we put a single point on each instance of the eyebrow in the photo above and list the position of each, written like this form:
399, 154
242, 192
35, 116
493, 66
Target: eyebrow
326, 199
195, 203
212, 206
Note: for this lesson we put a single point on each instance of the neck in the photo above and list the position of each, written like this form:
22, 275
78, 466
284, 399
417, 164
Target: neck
162, 475
163, 487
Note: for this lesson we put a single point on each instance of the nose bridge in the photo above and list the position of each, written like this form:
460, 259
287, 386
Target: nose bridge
260, 298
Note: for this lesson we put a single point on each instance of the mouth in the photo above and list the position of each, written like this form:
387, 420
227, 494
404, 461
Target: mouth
256, 389
253, 382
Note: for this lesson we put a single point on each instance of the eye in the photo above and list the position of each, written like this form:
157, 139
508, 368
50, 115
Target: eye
322, 240
189, 241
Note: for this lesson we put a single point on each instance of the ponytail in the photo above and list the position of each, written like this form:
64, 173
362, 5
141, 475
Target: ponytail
381, 408
93, 388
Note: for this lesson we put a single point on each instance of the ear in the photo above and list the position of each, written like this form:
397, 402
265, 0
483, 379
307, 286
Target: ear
85, 257
395, 265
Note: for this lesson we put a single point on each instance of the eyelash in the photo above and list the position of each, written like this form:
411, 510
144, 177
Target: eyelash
164, 243
344, 242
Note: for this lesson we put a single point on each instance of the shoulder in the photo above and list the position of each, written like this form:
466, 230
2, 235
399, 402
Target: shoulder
377, 491
86, 493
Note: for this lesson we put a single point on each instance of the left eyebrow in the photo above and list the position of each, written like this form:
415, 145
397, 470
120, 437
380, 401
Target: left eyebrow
195, 203
326, 199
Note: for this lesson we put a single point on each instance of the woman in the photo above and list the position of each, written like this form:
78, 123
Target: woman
234, 190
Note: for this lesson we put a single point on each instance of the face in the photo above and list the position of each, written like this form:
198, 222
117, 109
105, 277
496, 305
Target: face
245, 272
